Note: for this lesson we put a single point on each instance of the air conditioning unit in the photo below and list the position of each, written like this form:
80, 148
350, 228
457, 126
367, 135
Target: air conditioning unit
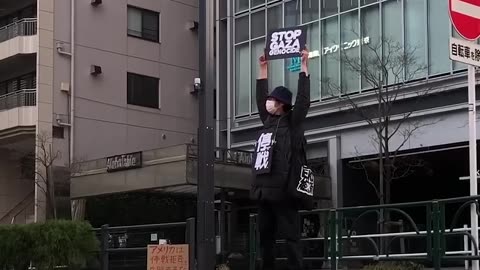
96, 2
95, 70
65, 87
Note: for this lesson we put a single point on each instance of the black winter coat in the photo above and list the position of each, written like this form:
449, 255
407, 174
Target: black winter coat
289, 139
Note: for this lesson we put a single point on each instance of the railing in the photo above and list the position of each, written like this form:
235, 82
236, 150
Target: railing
20, 208
24, 27
27, 97
434, 245
224, 156
125, 247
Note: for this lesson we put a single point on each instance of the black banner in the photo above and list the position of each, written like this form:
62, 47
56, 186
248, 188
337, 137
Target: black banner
124, 162
286, 42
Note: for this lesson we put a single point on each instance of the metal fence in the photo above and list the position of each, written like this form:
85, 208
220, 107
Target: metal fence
125, 247
27, 97
434, 237
24, 27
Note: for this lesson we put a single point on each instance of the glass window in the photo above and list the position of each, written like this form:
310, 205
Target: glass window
143, 24
329, 7
276, 72
142, 91
438, 21
415, 32
292, 68
392, 41
255, 3
330, 56
274, 17
258, 48
242, 79
457, 65
348, 4
349, 47
292, 13
241, 29
371, 46
314, 61
241, 5
366, 2
310, 9
134, 21
257, 26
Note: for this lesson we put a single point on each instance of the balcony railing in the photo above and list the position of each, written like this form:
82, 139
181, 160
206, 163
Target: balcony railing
24, 27
27, 97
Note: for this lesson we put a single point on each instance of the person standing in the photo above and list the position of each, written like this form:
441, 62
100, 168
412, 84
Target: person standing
283, 122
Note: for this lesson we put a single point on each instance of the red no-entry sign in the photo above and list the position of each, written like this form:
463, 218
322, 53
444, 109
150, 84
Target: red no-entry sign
465, 16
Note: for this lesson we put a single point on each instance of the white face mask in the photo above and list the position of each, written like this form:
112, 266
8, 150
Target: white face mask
271, 107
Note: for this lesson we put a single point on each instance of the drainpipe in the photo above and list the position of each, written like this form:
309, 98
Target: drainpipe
72, 81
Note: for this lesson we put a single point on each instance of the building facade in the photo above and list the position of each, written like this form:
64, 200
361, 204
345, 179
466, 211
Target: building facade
89, 81
347, 29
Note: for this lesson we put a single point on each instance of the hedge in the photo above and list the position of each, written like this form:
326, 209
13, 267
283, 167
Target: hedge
46, 245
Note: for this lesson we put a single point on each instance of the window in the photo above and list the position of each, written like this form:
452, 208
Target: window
438, 21
310, 11
349, 52
257, 50
370, 24
330, 55
392, 41
143, 24
241, 29
142, 91
242, 79
415, 32
57, 132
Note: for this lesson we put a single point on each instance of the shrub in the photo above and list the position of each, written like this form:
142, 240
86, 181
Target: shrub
47, 245
394, 266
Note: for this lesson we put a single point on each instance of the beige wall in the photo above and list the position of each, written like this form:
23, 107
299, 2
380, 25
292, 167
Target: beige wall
105, 124
13, 188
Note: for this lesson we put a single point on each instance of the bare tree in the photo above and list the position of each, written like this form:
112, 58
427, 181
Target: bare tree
385, 68
44, 180
51, 179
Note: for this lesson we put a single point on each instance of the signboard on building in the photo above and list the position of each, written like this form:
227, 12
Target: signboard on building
286, 42
167, 257
124, 162
464, 51
465, 16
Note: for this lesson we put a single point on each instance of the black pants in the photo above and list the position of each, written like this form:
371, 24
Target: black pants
279, 219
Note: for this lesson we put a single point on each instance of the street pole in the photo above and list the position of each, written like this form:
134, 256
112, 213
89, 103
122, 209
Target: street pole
206, 139
472, 115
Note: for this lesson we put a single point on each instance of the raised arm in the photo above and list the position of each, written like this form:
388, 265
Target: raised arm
262, 88
302, 102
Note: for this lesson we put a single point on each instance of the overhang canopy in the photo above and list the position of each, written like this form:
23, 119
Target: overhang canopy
172, 169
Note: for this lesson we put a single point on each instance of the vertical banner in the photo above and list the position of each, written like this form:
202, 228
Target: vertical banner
286, 42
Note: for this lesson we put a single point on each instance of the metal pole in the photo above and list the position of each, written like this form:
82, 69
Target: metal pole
104, 247
206, 140
190, 239
472, 115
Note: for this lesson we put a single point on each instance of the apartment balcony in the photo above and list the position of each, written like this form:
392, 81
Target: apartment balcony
18, 110
18, 38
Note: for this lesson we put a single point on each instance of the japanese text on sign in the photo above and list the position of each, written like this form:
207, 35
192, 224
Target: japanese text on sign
264, 144
464, 51
167, 257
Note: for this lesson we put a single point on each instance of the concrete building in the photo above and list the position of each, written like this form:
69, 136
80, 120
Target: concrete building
337, 136
91, 80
